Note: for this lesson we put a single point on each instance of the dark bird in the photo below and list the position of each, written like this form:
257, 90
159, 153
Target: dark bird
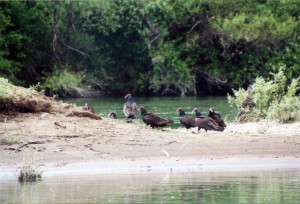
90, 108
112, 115
217, 117
187, 121
130, 108
198, 114
152, 119
206, 123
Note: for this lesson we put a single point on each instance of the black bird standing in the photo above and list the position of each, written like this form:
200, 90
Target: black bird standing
217, 117
130, 108
206, 123
187, 121
198, 114
152, 119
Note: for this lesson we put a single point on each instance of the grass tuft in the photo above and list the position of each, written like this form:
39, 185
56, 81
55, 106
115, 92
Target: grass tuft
29, 173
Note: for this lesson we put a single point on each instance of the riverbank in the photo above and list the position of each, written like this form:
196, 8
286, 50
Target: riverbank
66, 145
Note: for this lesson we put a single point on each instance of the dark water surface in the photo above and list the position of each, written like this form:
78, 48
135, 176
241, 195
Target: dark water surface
163, 106
204, 187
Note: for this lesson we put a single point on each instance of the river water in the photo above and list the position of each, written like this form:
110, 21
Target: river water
202, 187
165, 107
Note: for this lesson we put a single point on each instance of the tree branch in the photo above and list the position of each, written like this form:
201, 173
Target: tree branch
194, 25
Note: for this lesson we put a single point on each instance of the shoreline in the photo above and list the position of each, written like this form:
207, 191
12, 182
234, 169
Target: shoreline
161, 165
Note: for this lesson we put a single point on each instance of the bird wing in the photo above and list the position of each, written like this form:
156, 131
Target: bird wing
206, 123
219, 120
213, 125
155, 119
187, 121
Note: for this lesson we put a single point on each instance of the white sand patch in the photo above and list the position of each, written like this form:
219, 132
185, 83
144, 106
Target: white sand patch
265, 127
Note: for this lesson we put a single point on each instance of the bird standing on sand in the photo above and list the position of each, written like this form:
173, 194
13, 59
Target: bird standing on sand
206, 123
152, 119
187, 121
112, 115
130, 108
87, 107
217, 117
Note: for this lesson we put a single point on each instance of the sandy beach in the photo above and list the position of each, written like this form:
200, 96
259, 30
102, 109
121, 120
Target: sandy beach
81, 145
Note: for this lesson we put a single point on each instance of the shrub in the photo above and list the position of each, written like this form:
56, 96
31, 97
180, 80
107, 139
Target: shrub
274, 100
9, 139
60, 81
29, 173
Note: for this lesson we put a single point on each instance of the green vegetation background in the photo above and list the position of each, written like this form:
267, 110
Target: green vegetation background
146, 46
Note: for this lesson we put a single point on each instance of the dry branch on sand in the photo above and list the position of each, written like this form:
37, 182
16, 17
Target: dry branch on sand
28, 143
60, 125
82, 113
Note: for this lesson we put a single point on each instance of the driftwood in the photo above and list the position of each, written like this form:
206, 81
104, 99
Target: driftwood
67, 136
84, 114
60, 125
28, 143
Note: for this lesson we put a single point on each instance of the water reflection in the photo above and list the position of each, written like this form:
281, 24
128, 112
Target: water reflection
251, 187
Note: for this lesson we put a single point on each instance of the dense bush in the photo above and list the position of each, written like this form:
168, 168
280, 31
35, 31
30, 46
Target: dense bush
276, 100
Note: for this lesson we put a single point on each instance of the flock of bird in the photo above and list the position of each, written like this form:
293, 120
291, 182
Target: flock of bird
213, 121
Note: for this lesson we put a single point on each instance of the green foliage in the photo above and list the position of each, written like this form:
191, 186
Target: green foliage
9, 139
287, 109
147, 46
24, 40
8, 90
257, 27
8, 67
61, 80
168, 59
273, 100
